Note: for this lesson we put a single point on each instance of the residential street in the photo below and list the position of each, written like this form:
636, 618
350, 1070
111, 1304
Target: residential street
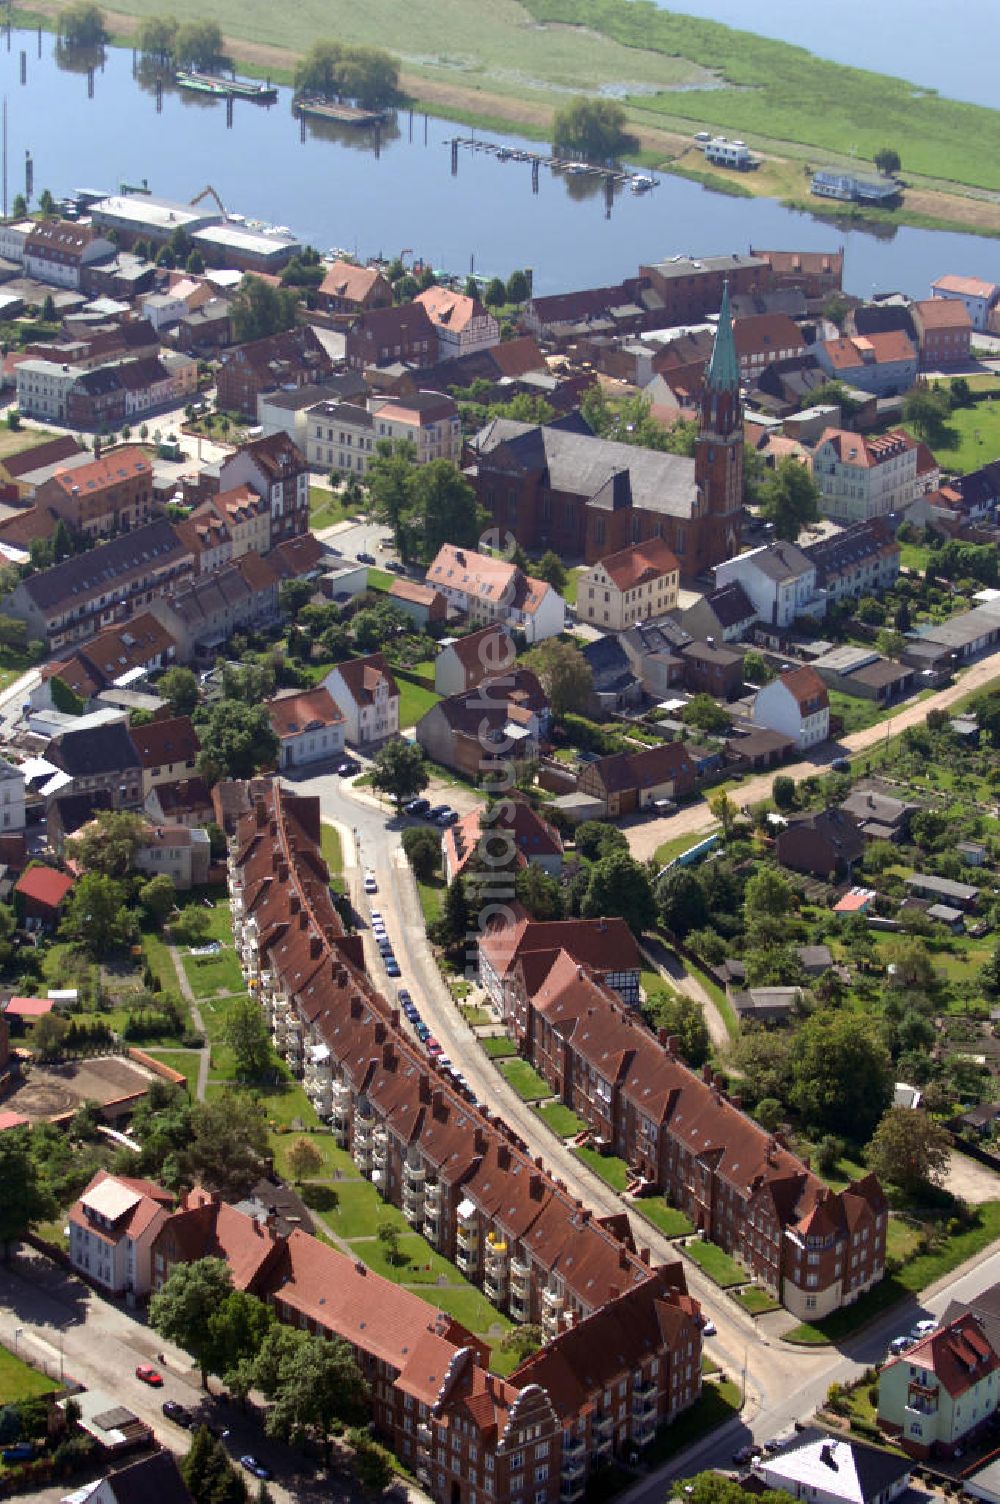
644, 836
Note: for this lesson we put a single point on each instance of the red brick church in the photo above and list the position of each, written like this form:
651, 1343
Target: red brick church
557, 486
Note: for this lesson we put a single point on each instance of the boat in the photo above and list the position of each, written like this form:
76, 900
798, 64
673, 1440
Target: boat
337, 110
224, 88
640, 183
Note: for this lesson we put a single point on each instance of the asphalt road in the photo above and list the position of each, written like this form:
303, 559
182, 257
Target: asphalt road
644, 836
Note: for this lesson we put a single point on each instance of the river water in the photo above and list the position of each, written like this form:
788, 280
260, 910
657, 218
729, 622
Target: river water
341, 188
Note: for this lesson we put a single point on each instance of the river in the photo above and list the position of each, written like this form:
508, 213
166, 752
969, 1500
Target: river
954, 51
337, 188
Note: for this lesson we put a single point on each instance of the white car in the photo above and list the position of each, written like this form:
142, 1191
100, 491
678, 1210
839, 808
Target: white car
371, 886
924, 1328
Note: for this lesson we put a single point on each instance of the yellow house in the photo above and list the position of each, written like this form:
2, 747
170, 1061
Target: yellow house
629, 586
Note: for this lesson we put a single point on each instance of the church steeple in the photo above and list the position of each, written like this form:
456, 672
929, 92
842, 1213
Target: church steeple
723, 371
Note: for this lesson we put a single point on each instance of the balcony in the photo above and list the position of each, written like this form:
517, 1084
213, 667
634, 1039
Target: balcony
918, 1405
604, 1426
643, 1430
494, 1286
468, 1238
424, 1433
415, 1174
520, 1305
644, 1395
435, 1194
364, 1129
496, 1251
467, 1260
552, 1302
520, 1275
570, 1489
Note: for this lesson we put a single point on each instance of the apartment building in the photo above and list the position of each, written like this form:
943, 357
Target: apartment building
112, 494
943, 328
367, 695
606, 946
795, 704
463, 325
176, 851
680, 1132
275, 469
780, 581
91, 591
629, 586
57, 251
861, 477
489, 589
111, 1231
43, 388
978, 296
861, 560
883, 364
290, 359
341, 436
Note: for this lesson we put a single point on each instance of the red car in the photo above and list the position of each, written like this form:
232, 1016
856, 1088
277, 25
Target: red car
149, 1375
433, 1048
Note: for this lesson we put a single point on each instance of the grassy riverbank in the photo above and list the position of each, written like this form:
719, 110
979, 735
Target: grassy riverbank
506, 64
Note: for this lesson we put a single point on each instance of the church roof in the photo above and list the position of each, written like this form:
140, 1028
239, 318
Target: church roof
723, 372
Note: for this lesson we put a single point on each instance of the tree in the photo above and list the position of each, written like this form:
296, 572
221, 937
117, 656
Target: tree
334, 70
82, 25
620, 885
591, 128
684, 1018
724, 810
97, 915
304, 1159
47, 205
246, 1035
539, 892
192, 926
198, 44
890, 644
108, 844
551, 569
564, 674
399, 770
236, 741
912, 966
887, 160
210, 1476
703, 712
156, 37
594, 839
495, 294
19, 208
518, 290
195, 263
23, 1201
927, 411
48, 1036
423, 851
841, 1074
783, 792
909, 1150
790, 498
767, 902
179, 687
681, 901
388, 1236
454, 921
182, 1309
314, 1385
756, 670
440, 495
227, 1149
257, 309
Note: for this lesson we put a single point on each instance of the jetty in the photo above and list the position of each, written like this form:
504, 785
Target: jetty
612, 176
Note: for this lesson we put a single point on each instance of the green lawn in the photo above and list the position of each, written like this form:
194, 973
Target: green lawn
431, 895
914, 1276
287, 1105
12, 663
210, 975
614, 1172
329, 841
476, 1018
670, 1221
901, 1238
18, 1381
525, 1080
360, 1211
561, 1119
185, 1061
499, 1046
414, 701
856, 714
716, 1263
215, 1013
677, 845
972, 436
326, 508
572, 585
158, 960
381, 579
914, 556
756, 1301
418, 1263
469, 1306
719, 1403
336, 1161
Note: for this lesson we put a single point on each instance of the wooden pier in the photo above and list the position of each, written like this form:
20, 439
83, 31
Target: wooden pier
613, 177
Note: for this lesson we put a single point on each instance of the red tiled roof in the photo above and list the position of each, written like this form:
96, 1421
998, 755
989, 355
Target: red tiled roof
807, 689
363, 675
970, 287
867, 452
291, 715
44, 885
958, 1355
110, 470
29, 1007
531, 835
603, 944
942, 313
169, 741
450, 310
640, 563
350, 282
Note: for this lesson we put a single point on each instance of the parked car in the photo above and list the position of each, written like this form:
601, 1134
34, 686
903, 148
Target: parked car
255, 1466
436, 809
422, 1032
444, 1064
177, 1413
418, 808
403, 995
900, 1344
708, 1327
365, 558
395, 567
149, 1375
841, 765
371, 886
347, 768
392, 967
447, 817
433, 1048
745, 1454
924, 1328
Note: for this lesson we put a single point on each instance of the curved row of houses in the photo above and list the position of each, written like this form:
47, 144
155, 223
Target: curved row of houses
622, 1350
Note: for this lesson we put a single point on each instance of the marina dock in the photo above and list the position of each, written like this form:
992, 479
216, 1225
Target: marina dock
614, 177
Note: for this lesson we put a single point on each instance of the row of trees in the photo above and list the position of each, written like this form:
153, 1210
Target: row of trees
191, 44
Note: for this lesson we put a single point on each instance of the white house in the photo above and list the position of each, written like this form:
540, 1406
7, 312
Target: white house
466, 661
309, 727
795, 704
111, 1231
978, 295
488, 589
780, 581
11, 798
14, 238
365, 691
635, 584
825, 1469
861, 477
163, 309
463, 325
43, 387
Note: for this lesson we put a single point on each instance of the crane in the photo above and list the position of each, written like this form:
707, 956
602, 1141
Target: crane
209, 192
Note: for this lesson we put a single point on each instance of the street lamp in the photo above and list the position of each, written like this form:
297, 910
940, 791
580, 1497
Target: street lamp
18, 1331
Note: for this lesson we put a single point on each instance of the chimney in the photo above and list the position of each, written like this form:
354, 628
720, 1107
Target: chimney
294, 902
260, 814
479, 1141
355, 1007
423, 1088
644, 1255
719, 1081
622, 1256
807, 1161
706, 1073
503, 1157
585, 1215
388, 1058
379, 1031
535, 1187
360, 1267
539, 1165
340, 975
437, 1104
737, 1101
303, 920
